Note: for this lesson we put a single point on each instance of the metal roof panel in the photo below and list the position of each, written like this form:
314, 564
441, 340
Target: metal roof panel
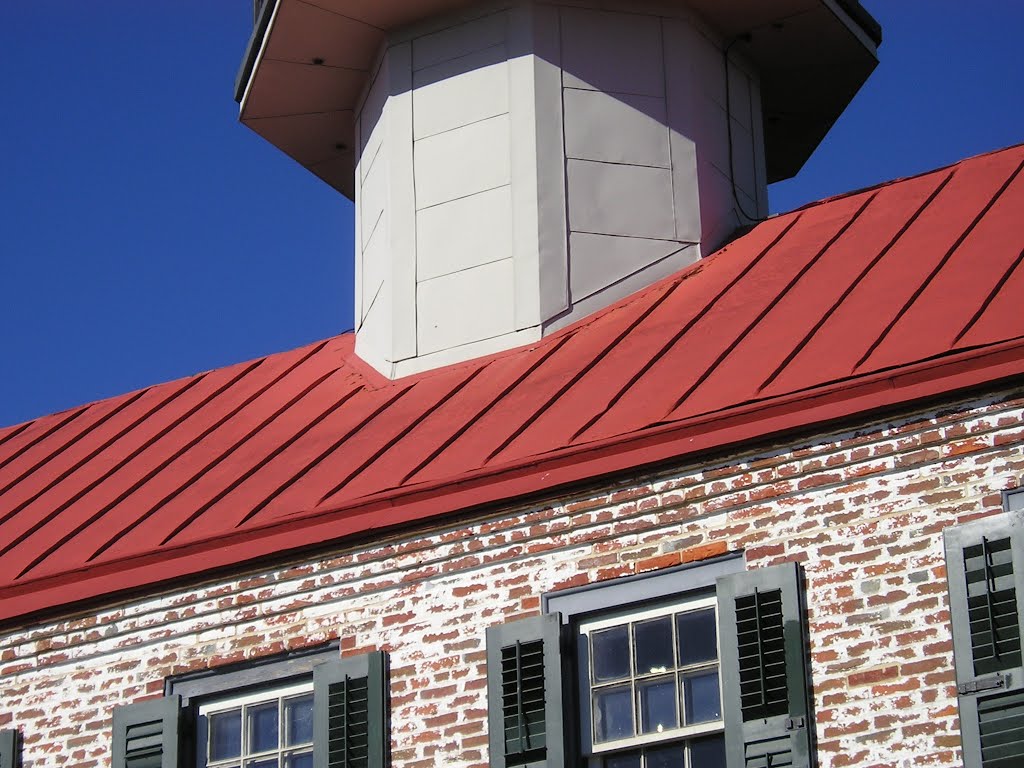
874, 299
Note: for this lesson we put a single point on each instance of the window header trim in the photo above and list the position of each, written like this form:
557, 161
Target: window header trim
574, 603
275, 670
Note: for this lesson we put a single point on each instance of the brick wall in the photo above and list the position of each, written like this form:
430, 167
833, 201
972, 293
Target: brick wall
863, 510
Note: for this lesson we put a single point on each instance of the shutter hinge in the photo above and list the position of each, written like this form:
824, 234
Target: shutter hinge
794, 723
982, 684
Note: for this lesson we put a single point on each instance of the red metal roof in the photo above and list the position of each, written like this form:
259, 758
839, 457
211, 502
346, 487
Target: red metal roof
865, 301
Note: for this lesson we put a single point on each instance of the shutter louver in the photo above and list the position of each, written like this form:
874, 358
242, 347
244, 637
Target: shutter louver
347, 719
762, 655
146, 734
350, 711
992, 605
1001, 727
524, 693
9, 757
984, 564
522, 699
764, 669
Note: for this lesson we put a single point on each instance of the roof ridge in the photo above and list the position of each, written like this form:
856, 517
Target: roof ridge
901, 179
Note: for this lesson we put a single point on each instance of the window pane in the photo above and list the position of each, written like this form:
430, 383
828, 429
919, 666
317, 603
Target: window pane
610, 651
629, 760
226, 735
263, 727
654, 646
700, 696
265, 762
668, 757
613, 713
708, 752
299, 761
658, 704
697, 637
298, 718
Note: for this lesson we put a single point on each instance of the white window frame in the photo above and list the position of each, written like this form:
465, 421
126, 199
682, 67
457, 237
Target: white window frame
263, 695
681, 604
632, 595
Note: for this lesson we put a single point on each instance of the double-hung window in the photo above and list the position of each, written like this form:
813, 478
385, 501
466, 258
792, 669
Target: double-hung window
695, 667
266, 729
650, 686
294, 712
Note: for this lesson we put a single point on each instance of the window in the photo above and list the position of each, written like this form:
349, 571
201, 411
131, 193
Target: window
651, 688
269, 729
682, 669
294, 712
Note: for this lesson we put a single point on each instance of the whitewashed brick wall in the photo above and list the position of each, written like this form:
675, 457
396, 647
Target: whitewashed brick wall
863, 510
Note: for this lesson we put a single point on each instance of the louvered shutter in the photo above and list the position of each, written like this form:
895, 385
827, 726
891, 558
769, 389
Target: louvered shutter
350, 712
765, 692
524, 693
9, 757
146, 734
985, 570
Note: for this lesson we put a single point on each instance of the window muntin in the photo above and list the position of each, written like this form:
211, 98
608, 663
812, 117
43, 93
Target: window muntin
651, 677
266, 729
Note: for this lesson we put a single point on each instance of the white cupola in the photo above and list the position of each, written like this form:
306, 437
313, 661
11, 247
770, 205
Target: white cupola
517, 165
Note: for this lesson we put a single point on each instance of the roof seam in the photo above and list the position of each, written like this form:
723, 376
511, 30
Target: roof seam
97, 451
606, 349
60, 449
682, 332
387, 403
486, 409
13, 432
892, 182
938, 267
853, 286
153, 508
39, 438
771, 305
131, 457
266, 459
402, 434
990, 298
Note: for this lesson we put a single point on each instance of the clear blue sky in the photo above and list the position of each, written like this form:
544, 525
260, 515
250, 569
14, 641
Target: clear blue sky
146, 235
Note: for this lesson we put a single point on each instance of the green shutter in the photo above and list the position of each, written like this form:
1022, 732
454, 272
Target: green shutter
146, 734
9, 757
985, 571
524, 693
350, 712
765, 691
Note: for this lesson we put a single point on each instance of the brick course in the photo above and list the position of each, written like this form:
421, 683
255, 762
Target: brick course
863, 509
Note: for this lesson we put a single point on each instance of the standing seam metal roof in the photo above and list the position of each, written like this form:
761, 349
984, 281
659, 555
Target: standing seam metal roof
869, 300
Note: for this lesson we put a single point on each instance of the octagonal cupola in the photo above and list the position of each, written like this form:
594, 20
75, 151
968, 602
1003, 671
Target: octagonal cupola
518, 165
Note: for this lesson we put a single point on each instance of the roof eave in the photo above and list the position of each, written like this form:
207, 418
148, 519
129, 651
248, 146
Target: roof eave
813, 56
910, 386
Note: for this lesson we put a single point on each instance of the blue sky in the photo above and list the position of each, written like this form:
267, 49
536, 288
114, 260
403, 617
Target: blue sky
147, 235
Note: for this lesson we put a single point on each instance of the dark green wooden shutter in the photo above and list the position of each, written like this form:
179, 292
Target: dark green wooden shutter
146, 734
524, 693
985, 571
350, 712
765, 691
9, 757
